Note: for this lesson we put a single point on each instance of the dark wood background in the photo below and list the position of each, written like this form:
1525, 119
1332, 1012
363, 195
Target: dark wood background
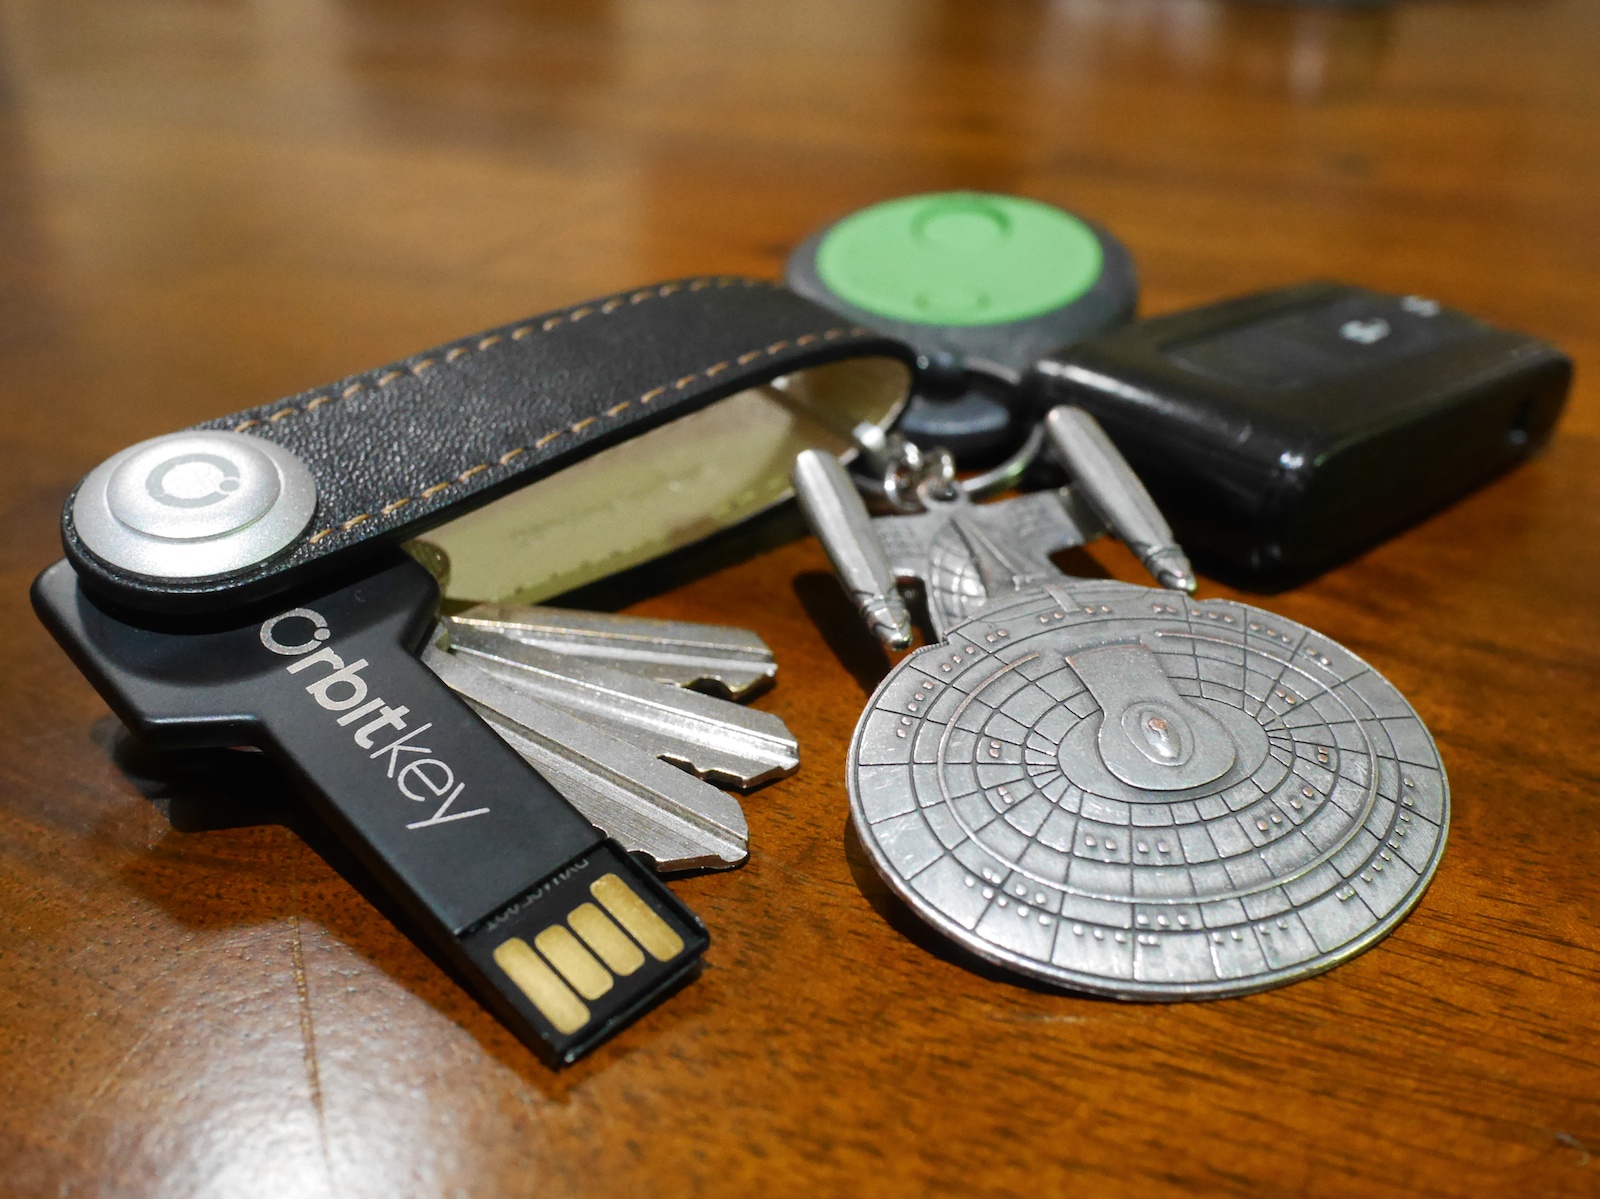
206, 204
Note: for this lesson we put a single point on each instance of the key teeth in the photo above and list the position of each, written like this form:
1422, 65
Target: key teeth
781, 768
690, 824
716, 660
741, 747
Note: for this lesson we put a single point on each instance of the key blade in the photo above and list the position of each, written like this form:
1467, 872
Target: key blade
689, 836
731, 660
711, 737
639, 801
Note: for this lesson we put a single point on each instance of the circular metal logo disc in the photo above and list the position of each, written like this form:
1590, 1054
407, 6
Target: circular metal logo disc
192, 505
1124, 791
190, 491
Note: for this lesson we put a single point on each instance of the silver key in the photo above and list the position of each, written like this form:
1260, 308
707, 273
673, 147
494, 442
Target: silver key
712, 738
722, 658
634, 797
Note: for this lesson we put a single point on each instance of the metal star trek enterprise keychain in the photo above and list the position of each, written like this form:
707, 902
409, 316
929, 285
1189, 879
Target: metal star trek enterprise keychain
1116, 788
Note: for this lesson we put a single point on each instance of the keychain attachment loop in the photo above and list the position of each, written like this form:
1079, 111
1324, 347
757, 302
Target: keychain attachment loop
902, 469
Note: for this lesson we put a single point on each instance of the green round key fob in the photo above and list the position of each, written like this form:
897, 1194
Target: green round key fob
982, 285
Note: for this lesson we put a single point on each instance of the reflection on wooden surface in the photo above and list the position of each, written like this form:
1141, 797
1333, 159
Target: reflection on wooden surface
207, 205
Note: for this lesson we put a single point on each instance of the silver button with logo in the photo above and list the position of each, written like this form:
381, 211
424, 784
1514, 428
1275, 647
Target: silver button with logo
192, 505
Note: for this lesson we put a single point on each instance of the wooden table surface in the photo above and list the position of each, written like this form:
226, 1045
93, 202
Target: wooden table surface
208, 205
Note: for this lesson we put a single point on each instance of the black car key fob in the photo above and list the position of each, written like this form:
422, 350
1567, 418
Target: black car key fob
239, 583
1283, 432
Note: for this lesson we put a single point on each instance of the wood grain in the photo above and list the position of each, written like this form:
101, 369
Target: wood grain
204, 206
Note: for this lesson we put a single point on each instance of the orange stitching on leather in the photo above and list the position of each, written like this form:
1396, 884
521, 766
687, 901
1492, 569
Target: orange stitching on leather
577, 314
505, 459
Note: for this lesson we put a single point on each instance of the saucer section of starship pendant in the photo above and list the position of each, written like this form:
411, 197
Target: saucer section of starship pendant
1130, 792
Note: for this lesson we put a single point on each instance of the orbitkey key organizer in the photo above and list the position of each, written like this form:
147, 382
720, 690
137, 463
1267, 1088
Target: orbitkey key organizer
240, 583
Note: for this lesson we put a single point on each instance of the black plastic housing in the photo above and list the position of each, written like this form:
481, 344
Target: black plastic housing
466, 839
964, 398
1283, 432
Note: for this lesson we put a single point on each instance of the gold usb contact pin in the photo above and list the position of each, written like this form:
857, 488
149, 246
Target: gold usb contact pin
638, 917
584, 950
553, 998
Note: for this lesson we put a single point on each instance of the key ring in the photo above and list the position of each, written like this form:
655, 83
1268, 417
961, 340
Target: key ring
902, 468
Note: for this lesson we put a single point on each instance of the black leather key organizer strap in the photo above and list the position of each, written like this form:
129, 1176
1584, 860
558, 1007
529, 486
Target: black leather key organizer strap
397, 450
